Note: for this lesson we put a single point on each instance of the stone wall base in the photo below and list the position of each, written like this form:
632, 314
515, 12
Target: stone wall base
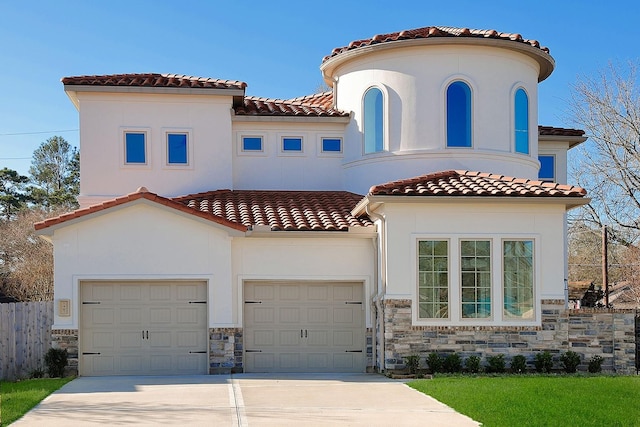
67, 339
604, 332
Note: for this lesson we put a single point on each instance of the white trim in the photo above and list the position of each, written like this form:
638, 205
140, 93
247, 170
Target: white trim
165, 149
385, 119
240, 151
291, 153
474, 102
122, 151
328, 135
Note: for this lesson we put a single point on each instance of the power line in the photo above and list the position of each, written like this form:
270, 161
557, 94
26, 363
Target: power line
38, 133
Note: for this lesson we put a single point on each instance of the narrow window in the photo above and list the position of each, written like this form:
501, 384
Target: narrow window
331, 145
458, 115
291, 144
177, 148
522, 121
518, 279
547, 168
433, 279
251, 143
373, 121
476, 278
135, 148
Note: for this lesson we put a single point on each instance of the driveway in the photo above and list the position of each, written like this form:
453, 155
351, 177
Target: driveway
242, 400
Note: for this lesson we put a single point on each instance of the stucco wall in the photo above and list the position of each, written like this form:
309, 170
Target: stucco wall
103, 119
413, 81
408, 222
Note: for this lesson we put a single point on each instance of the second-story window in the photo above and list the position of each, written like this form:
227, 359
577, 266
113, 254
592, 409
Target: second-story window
135, 148
458, 115
177, 146
521, 107
373, 121
547, 168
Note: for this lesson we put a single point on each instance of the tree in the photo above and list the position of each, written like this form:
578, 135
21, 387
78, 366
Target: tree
26, 260
12, 195
607, 107
55, 171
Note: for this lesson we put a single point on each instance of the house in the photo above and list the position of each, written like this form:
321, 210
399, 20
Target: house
583, 294
415, 207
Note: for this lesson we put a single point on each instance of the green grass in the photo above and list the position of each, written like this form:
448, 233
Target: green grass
19, 397
540, 400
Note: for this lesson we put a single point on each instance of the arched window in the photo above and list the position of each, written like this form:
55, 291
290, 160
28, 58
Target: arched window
521, 106
373, 121
458, 115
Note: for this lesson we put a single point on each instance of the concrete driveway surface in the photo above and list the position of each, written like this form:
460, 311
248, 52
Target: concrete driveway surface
242, 400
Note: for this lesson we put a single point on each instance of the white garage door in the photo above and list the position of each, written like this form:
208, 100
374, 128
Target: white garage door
304, 327
143, 328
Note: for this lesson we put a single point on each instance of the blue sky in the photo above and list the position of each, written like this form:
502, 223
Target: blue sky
274, 46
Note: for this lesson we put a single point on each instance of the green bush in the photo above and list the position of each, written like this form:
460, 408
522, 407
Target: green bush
495, 364
595, 364
56, 361
570, 360
434, 362
543, 362
452, 363
519, 364
413, 363
472, 364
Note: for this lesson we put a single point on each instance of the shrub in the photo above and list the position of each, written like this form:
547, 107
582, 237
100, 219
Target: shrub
434, 362
496, 363
413, 363
518, 364
472, 364
452, 363
543, 362
36, 373
595, 364
56, 360
570, 360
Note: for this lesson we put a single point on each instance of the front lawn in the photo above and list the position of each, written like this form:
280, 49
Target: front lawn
17, 398
540, 400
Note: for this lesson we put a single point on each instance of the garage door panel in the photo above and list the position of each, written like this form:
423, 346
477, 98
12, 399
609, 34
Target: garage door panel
322, 327
143, 329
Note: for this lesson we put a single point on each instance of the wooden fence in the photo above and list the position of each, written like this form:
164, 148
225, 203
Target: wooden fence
25, 337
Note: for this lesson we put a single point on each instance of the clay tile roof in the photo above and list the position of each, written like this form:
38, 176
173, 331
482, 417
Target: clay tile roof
319, 105
476, 184
427, 32
281, 210
154, 80
141, 193
550, 130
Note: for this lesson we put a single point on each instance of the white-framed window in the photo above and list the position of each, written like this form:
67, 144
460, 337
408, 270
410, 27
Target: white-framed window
521, 121
476, 280
459, 110
291, 144
135, 148
178, 148
547, 170
330, 146
373, 120
252, 144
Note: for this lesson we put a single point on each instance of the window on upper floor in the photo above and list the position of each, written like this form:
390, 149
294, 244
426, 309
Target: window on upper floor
458, 114
291, 144
547, 168
331, 145
135, 148
252, 143
521, 110
373, 121
177, 148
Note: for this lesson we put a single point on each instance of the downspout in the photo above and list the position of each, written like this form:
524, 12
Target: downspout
381, 282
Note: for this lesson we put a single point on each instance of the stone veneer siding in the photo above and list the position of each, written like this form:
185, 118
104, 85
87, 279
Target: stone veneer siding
67, 339
606, 332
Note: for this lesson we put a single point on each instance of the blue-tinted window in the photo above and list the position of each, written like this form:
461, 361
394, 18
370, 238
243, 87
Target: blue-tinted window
373, 121
291, 144
547, 168
333, 145
135, 151
252, 143
522, 121
458, 115
177, 148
